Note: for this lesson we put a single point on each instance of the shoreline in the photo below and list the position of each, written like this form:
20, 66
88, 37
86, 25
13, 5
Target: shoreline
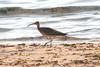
61, 55
41, 39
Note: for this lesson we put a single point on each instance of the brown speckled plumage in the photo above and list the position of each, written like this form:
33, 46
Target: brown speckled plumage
48, 32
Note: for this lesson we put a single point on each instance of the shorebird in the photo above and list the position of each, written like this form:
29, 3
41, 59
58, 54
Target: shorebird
48, 32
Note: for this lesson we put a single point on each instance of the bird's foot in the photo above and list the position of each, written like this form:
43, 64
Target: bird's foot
48, 42
45, 43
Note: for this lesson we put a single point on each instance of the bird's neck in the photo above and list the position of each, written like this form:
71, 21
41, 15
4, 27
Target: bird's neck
38, 26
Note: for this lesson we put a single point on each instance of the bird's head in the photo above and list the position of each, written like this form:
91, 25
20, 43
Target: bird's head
36, 23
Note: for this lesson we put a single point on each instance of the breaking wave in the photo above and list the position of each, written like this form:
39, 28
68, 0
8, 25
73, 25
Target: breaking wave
67, 9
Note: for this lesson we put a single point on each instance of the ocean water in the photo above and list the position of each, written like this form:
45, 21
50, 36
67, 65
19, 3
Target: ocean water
78, 18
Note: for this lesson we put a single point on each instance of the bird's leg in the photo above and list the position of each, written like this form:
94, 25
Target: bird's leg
51, 42
48, 42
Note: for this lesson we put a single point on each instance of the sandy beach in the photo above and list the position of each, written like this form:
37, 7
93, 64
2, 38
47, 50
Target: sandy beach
58, 55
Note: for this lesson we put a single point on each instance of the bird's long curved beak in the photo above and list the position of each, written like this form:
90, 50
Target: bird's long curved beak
30, 25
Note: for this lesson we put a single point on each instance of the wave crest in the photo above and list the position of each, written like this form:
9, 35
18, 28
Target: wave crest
67, 9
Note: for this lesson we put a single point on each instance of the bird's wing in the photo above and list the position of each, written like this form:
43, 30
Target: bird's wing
50, 31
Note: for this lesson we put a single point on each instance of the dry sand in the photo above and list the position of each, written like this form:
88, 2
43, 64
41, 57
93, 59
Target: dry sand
61, 55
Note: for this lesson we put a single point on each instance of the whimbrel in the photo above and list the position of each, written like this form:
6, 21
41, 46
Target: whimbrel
48, 32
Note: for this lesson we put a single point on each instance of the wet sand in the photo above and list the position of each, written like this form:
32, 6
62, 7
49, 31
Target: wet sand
58, 55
